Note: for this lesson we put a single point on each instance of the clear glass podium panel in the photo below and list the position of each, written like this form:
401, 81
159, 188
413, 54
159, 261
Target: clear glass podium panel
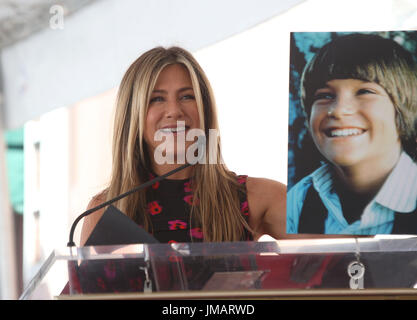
284, 268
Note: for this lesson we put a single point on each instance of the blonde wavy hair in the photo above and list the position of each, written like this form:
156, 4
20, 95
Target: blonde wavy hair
214, 187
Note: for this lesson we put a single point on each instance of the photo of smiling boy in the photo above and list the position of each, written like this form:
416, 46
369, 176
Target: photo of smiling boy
359, 96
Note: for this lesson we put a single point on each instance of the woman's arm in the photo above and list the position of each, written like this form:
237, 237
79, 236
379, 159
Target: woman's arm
91, 221
267, 206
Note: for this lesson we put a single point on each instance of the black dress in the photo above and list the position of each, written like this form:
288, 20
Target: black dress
169, 204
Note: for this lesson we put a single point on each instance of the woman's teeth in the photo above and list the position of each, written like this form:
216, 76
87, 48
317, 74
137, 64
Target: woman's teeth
344, 132
173, 130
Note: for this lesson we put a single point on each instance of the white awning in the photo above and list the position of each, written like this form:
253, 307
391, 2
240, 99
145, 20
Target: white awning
58, 67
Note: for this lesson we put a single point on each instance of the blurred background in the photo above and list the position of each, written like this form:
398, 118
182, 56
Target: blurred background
62, 61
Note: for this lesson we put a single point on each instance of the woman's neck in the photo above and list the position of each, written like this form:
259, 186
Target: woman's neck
179, 175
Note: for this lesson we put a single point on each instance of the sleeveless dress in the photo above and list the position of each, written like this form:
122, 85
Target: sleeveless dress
169, 205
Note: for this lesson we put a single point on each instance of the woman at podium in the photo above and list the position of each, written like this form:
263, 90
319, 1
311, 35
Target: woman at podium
166, 116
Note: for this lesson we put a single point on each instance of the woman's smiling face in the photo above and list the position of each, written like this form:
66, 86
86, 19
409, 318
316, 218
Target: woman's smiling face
172, 109
353, 122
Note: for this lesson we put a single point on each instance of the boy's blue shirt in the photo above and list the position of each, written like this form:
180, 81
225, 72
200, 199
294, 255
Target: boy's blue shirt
398, 194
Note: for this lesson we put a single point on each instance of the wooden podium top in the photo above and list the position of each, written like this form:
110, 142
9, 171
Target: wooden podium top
332, 294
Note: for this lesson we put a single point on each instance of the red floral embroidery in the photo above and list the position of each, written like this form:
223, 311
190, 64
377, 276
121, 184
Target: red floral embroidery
189, 199
156, 184
101, 283
187, 187
173, 258
244, 208
154, 208
241, 179
196, 233
136, 284
177, 224
110, 270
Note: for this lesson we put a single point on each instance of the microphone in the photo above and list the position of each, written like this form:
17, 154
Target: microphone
104, 204
142, 186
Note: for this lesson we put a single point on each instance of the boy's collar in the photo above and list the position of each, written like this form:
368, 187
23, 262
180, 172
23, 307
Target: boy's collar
399, 191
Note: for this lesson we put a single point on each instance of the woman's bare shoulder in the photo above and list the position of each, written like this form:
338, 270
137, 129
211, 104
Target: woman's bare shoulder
267, 205
97, 200
262, 188
91, 220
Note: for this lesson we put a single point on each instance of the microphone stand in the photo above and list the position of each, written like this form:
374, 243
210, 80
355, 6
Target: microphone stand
104, 204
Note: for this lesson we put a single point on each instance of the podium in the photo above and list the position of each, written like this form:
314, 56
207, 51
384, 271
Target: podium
284, 269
